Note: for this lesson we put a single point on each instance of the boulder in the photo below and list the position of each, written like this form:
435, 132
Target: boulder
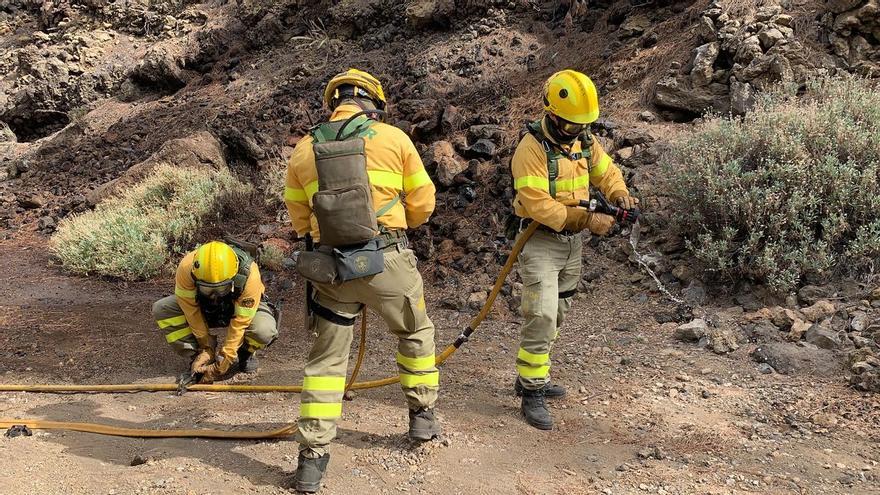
448, 165
822, 336
491, 132
769, 37
421, 14
742, 97
838, 6
790, 358
679, 93
162, 66
704, 61
818, 311
810, 294
483, 148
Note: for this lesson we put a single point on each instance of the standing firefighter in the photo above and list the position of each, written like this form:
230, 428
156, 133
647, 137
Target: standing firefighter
556, 160
343, 189
217, 285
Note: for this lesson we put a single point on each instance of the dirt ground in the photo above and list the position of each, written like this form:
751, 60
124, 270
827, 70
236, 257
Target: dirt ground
644, 414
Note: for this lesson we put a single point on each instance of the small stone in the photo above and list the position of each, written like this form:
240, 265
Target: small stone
811, 294
706, 394
140, 459
859, 321
483, 148
625, 153
765, 369
693, 331
647, 116
46, 223
477, 299
31, 202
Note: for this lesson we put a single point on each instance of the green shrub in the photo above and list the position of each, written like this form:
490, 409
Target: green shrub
788, 192
271, 258
132, 236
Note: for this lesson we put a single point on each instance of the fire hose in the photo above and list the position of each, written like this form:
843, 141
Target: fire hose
599, 205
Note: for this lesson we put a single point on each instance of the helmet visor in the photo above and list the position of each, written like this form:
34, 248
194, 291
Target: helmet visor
570, 128
215, 291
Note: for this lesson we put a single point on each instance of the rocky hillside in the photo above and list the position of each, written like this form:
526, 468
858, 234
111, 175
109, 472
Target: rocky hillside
93, 92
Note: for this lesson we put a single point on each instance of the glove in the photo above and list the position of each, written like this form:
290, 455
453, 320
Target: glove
203, 359
627, 202
576, 219
211, 372
599, 223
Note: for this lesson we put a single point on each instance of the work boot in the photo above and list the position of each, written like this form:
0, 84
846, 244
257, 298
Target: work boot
423, 426
309, 472
551, 390
247, 360
535, 410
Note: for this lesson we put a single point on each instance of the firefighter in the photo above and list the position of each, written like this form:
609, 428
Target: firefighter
217, 285
359, 231
556, 159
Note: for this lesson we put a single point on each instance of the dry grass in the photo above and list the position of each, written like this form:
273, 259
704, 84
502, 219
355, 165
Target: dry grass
132, 236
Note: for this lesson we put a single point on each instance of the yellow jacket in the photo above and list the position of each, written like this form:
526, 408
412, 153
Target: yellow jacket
245, 308
532, 183
393, 166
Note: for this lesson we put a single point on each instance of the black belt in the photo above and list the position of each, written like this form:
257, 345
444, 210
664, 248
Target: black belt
524, 222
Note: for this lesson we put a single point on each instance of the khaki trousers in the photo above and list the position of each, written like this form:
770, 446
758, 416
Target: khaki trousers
397, 295
262, 331
550, 268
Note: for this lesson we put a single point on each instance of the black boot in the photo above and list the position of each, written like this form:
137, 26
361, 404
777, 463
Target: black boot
535, 410
551, 390
423, 426
247, 360
309, 472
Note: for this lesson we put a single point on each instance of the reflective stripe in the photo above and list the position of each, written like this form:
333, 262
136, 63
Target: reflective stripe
579, 182
311, 189
172, 322
185, 293
416, 364
416, 180
295, 195
246, 312
542, 183
533, 359
178, 334
320, 410
253, 344
324, 383
412, 381
384, 178
533, 372
601, 167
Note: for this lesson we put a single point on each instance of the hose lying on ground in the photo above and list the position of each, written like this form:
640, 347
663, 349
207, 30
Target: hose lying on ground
283, 432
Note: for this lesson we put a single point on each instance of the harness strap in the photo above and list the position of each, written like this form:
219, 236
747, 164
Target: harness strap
329, 315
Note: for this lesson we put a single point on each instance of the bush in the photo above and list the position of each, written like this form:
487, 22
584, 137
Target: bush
789, 192
132, 236
271, 258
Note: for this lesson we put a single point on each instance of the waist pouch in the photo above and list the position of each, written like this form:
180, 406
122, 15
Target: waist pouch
331, 265
362, 261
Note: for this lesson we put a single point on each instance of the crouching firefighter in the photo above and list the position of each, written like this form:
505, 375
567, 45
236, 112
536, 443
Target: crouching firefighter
216, 286
557, 159
343, 188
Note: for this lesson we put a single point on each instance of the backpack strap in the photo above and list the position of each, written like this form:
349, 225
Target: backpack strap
554, 152
328, 131
244, 269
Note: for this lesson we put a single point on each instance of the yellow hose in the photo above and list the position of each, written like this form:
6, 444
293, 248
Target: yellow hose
285, 431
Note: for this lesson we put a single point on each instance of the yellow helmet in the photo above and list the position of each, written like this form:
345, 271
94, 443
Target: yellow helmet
572, 96
214, 263
362, 81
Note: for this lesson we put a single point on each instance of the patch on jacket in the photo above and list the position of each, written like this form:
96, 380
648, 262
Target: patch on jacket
248, 303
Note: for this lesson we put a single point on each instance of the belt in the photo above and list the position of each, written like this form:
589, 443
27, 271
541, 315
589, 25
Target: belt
524, 222
394, 237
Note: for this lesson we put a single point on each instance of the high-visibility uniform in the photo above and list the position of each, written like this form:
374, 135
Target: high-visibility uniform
185, 317
397, 294
550, 262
